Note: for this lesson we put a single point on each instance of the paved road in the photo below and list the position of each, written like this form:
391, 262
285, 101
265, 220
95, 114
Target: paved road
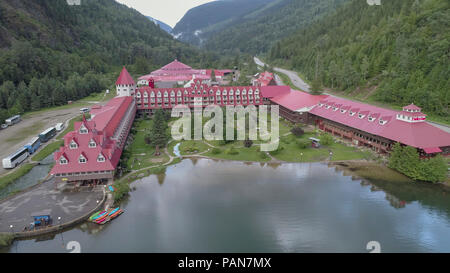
67, 205
299, 83
16, 136
293, 76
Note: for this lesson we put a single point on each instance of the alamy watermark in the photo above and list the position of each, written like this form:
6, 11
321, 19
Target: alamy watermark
213, 129
374, 2
73, 2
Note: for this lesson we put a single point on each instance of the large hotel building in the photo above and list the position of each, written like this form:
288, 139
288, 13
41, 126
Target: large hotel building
92, 151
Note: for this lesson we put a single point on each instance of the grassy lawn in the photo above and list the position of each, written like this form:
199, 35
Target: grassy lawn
142, 154
47, 150
13, 176
291, 152
190, 147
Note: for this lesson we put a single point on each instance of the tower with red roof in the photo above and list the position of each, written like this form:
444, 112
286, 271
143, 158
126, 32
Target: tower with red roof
125, 85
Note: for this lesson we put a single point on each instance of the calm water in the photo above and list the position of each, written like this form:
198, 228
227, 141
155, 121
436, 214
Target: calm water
37, 174
207, 206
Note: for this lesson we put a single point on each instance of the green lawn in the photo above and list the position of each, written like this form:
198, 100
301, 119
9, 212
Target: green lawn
291, 152
190, 147
48, 150
16, 174
141, 153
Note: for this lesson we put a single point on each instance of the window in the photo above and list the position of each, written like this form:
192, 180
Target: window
100, 158
82, 159
361, 116
371, 119
92, 144
83, 129
352, 113
63, 161
73, 145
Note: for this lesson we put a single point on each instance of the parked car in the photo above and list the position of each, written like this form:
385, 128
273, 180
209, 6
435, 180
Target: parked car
4, 126
59, 127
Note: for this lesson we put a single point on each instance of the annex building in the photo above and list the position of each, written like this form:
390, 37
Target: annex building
92, 151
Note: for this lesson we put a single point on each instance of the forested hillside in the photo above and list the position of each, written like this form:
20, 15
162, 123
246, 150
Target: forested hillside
51, 52
258, 31
397, 53
162, 25
202, 21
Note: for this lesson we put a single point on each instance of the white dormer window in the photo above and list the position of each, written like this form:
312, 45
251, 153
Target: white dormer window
382, 122
352, 113
73, 145
83, 129
100, 158
92, 144
63, 160
343, 111
371, 119
328, 107
138, 95
335, 108
320, 104
82, 159
361, 116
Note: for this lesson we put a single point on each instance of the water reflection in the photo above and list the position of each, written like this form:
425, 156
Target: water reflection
210, 206
36, 175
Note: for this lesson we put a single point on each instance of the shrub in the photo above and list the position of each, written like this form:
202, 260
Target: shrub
263, 155
248, 143
232, 151
303, 143
278, 150
216, 151
326, 139
297, 131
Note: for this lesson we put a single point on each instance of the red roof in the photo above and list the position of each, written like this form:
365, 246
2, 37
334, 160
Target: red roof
432, 150
274, 90
296, 100
219, 72
125, 78
100, 130
265, 79
412, 107
416, 134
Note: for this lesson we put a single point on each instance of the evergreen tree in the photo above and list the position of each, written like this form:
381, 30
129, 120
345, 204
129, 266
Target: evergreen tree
158, 132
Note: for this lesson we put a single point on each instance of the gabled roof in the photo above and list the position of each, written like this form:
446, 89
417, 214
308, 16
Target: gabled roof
297, 100
416, 134
271, 91
176, 66
125, 78
412, 107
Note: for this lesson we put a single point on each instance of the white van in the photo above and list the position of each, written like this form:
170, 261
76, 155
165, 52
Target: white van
84, 110
59, 127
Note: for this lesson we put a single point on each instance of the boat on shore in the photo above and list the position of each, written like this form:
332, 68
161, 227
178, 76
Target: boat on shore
97, 215
109, 215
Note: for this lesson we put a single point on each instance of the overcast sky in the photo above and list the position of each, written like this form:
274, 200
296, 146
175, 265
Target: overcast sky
167, 11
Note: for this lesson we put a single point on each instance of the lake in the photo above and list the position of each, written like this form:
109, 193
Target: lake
203, 205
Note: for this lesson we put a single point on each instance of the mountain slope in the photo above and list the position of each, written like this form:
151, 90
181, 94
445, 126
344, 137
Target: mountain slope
162, 25
400, 49
51, 52
257, 31
198, 22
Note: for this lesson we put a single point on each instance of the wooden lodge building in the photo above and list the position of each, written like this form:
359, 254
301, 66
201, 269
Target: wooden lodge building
92, 151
